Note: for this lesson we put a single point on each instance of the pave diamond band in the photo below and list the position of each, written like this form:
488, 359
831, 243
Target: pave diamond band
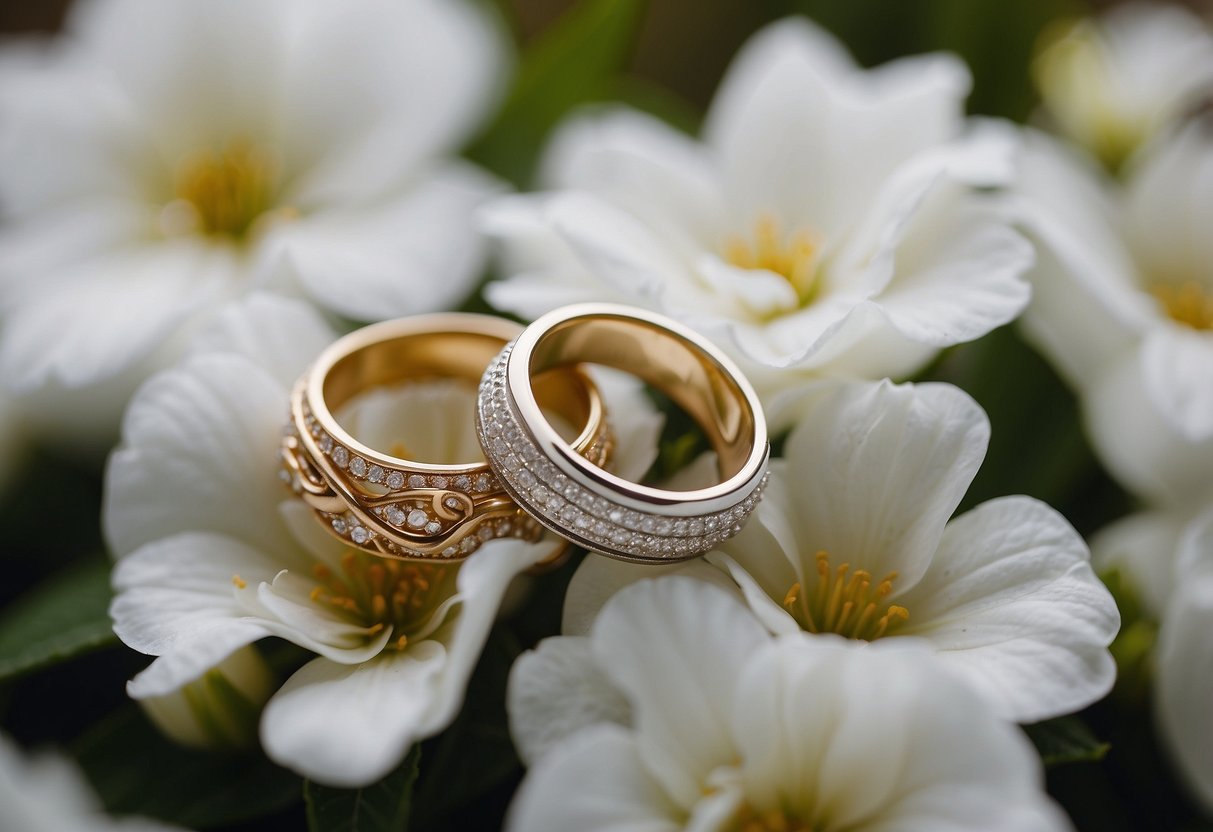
577, 498
403, 508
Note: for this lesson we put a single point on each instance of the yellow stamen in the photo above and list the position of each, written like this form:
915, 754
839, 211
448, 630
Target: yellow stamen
1189, 303
794, 257
223, 192
383, 594
240, 583
845, 602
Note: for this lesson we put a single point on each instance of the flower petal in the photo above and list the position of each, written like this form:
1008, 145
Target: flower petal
280, 335
111, 314
959, 271
174, 599
643, 166
805, 135
1012, 604
349, 725
375, 91
597, 580
1139, 443
1086, 304
197, 454
597, 782
1185, 664
417, 253
557, 690
879, 469
674, 646
1143, 547
814, 718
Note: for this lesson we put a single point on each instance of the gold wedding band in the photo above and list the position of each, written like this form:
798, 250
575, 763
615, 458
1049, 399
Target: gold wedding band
574, 496
405, 508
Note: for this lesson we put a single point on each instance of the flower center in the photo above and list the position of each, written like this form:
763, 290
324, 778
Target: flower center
776, 820
384, 594
845, 602
223, 192
795, 257
1188, 302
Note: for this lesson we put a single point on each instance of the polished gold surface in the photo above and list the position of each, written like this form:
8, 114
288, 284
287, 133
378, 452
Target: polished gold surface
580, 499
408, 508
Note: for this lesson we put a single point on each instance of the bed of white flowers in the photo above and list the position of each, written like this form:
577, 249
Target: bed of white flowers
964, 252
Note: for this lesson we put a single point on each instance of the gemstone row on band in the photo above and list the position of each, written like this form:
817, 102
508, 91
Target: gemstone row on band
565, 505
412, 515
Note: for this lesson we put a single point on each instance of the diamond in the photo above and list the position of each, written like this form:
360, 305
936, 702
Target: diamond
664, 526
375, 474
526, 479
339, 525
484, 533
395, 515
395, 480
439, 482
417, 518
541, 494
341, 456
359, 534
582, 521
483, 482
326, 443
469, 545
433, 527
504, 528
616, 515
463, 482
358, 466
620, 537
696, 527
452, 502
416, 481
450, 552
601, 529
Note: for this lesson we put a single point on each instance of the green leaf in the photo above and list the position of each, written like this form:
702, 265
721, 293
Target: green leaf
61, 618
571, 63
137, 771
381, 807
1066, 739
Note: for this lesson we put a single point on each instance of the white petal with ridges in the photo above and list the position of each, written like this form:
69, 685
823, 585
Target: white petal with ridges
674, 646
614, 791
557, 690
1012, 604
880, 468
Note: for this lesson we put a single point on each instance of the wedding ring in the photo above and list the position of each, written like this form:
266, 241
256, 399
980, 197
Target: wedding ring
404, 508
577, 498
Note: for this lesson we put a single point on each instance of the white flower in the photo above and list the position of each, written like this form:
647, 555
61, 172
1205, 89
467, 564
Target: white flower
1123, 305
1168, 559
46, 793
826, 223
1114, 83
163, 158
853, 538
214, 553
730, 729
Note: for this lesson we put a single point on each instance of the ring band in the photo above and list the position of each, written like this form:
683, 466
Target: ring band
579, 500
403, 508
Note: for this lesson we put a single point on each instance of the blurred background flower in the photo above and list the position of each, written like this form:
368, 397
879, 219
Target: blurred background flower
158, 161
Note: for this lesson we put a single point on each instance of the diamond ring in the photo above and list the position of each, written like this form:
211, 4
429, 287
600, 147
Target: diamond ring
404, 508
574, 496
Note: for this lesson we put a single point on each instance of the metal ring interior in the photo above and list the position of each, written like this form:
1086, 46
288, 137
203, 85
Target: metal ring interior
625, 519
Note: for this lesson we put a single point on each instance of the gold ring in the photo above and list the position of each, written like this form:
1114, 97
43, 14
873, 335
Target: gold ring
578, 499
405, 508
